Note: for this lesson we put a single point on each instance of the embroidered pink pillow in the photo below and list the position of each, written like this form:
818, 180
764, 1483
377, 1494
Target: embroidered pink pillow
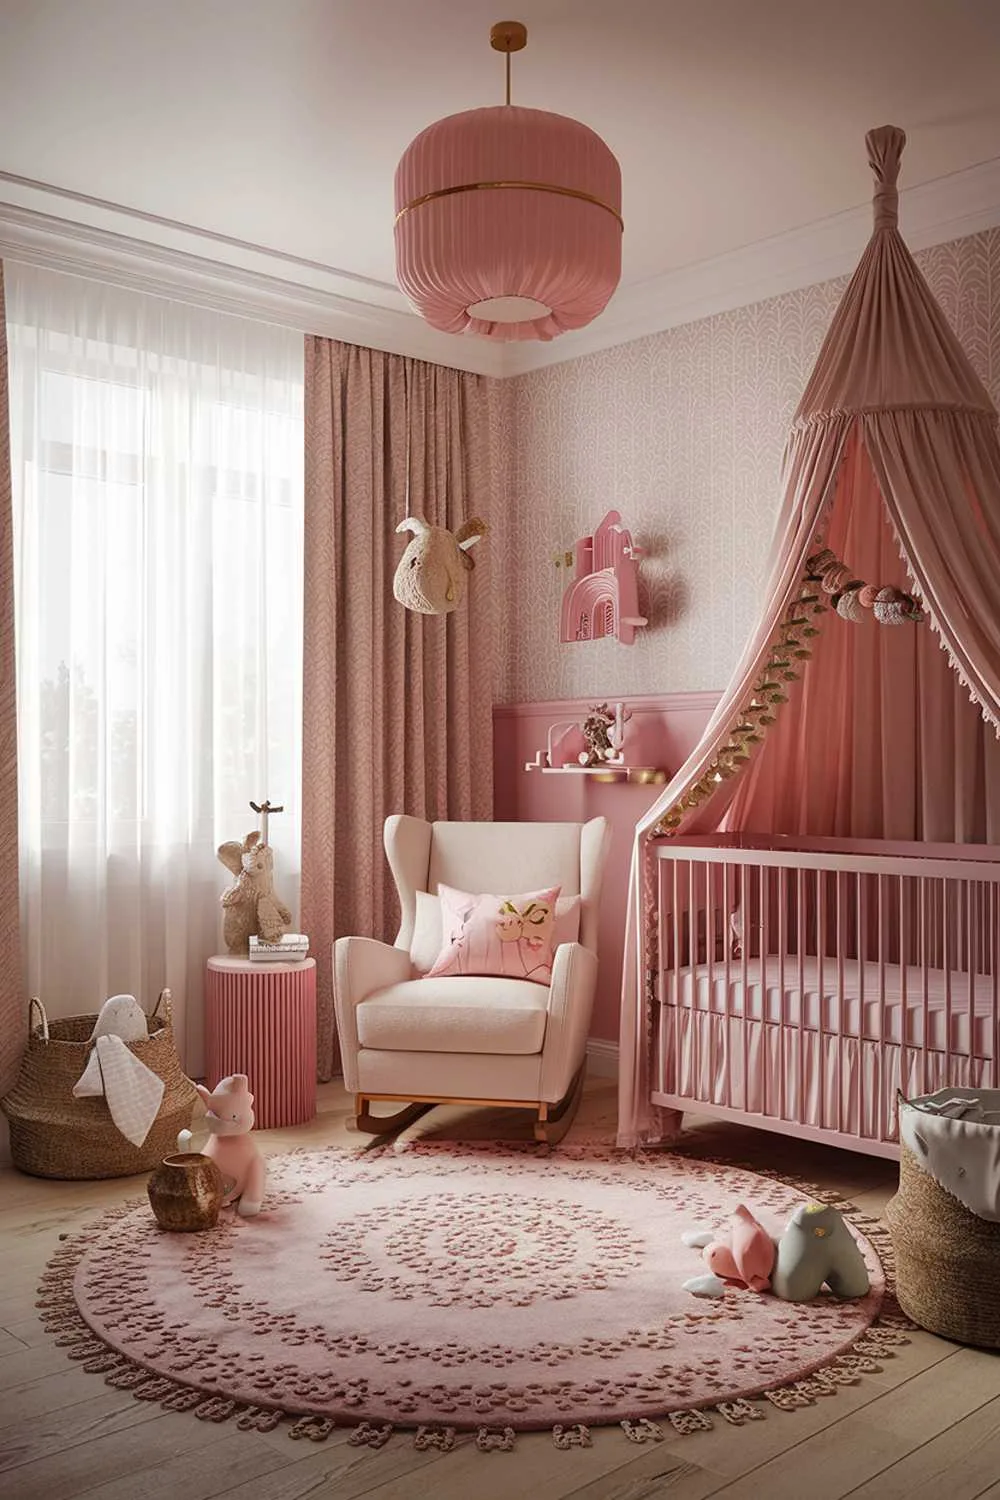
510, 937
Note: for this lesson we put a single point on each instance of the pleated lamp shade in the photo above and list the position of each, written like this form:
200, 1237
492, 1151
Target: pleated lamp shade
508, 223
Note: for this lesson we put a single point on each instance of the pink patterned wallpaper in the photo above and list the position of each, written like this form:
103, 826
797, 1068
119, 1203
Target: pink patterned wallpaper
683, 433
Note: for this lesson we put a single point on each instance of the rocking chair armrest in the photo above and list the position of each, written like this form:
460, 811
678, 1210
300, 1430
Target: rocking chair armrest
571, 1000
361, 967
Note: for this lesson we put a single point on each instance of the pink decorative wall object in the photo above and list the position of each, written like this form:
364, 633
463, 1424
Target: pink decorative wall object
603, 598
260, 1019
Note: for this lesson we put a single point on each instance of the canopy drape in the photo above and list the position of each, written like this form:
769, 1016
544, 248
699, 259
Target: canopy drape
831, 727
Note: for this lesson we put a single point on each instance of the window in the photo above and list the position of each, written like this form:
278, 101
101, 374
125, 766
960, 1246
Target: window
157, 468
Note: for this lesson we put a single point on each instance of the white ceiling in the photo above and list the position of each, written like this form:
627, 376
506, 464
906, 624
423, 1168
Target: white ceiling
278, 124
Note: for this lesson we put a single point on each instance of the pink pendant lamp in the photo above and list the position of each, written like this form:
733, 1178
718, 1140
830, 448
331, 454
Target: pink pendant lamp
508, 220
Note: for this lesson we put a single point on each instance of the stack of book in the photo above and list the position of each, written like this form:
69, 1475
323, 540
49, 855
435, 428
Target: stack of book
289, 949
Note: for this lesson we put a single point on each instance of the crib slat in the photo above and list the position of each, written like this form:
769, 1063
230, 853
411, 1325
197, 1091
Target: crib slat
970, 977
663, 1016
782, 950
879, 1072
695, 971
995, 980
800, 943
947, 912
747, 1020
678, 997
821, 879
904, 972
710, 941
841, 882
924, 985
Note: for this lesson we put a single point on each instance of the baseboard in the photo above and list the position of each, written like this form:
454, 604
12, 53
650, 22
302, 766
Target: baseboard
602, 1058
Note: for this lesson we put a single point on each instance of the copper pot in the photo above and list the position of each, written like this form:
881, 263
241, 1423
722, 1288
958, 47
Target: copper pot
185, 1192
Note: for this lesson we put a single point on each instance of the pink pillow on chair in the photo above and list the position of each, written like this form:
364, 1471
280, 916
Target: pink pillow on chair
511, 937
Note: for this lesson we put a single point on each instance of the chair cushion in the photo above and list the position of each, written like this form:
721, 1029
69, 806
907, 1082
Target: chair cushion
426, 942
455, 1015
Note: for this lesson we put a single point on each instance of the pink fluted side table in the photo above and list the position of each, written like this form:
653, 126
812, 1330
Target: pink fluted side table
260, 1019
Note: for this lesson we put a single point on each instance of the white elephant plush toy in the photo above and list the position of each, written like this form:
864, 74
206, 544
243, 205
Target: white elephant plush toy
430, 577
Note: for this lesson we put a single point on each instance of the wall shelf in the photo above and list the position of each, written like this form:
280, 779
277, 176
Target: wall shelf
603, 599
637, 775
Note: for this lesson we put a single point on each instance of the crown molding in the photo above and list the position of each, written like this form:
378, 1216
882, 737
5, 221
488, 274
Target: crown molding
103, 241
641, 703
930, 214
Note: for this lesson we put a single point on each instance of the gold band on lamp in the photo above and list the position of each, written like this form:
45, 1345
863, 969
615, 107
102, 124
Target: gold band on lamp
537, 187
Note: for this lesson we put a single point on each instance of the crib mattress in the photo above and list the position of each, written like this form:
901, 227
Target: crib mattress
886, 1003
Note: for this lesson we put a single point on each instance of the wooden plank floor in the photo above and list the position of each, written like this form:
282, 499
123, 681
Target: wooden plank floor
927, 1426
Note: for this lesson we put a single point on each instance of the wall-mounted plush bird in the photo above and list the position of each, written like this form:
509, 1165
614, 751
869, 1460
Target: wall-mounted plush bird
430, 577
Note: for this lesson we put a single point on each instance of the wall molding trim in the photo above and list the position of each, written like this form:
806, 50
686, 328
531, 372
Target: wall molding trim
103, 242
932, 213
85, 236
602, 1058
658, 703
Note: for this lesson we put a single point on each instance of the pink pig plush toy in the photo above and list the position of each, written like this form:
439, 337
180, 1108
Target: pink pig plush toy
746, 1255
230, 1120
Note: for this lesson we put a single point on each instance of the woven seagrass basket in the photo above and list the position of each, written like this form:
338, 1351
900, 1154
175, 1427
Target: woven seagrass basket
54, 1135
947, 1259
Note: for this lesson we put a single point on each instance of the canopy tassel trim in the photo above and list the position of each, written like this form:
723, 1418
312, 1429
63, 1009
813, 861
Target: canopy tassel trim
954, 661
789, 650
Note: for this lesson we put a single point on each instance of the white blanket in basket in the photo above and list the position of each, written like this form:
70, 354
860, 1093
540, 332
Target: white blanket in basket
955, 1136
133, 1091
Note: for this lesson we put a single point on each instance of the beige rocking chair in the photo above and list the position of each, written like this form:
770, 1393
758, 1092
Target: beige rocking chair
464, 1039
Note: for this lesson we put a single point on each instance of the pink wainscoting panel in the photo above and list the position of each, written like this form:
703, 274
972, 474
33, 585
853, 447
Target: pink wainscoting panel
260, 1019
662, 731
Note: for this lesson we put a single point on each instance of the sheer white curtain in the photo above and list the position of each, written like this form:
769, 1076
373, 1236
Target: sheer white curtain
157, 474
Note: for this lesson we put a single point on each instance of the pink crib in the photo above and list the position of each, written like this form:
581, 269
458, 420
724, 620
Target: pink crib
801, 983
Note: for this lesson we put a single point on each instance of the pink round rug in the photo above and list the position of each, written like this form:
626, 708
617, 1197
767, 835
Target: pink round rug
465, 1285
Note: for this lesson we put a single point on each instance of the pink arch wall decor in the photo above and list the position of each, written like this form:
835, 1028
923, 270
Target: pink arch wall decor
603, 598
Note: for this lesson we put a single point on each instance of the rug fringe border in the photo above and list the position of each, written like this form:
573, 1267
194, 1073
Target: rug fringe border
60, 1315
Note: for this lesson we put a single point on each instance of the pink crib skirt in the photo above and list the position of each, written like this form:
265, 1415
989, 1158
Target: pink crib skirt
843, 1084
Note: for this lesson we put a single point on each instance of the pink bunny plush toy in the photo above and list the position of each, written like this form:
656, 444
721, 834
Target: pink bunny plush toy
230, 1120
